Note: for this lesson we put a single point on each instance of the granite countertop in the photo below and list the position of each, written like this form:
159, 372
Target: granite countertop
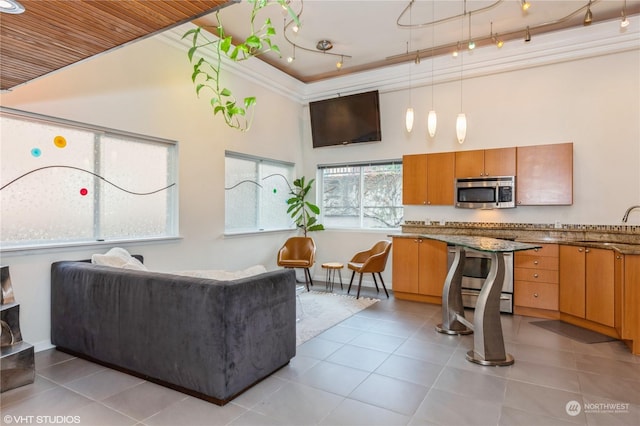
486, 244
620, 238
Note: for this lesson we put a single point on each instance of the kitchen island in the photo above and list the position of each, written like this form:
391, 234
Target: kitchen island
488, 341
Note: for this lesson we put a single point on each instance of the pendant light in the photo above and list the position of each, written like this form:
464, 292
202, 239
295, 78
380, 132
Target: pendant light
461, 121
432, 118
408, 117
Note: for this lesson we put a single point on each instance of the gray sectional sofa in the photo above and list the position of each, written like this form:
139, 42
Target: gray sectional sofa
210, 339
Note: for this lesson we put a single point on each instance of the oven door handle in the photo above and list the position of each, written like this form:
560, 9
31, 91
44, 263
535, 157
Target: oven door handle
476, 293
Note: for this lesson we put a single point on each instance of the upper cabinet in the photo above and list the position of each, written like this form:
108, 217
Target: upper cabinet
544, 174
486, 162
427, 179
414, 179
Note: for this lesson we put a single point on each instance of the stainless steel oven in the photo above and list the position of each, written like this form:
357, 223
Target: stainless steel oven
476, 268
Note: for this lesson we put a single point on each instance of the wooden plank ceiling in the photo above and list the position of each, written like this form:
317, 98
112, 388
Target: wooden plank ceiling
52, 34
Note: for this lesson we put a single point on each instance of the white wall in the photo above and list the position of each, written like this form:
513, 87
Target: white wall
592, 101
145, 88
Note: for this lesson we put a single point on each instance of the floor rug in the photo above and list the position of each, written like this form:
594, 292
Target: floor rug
317, 311
574, 332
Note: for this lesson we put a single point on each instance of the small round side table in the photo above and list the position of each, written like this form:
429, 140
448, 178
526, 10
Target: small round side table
331, 268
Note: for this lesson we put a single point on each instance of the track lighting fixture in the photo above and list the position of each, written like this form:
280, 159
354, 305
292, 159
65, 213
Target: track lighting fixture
293, 55
624, 23
527, 35
455, 52
525, 5
472, 44
417, 59
495, 40
339, 63
588, 17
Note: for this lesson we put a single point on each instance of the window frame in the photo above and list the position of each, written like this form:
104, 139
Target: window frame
361, 207
258, 160
172, 200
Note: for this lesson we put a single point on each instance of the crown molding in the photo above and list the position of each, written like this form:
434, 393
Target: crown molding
252, 70
603, 38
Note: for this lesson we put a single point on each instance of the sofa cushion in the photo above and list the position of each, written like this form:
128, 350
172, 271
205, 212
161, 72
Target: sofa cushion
118, 257
221, 275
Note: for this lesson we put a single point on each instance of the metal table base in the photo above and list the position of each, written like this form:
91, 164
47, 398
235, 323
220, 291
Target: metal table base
488, 341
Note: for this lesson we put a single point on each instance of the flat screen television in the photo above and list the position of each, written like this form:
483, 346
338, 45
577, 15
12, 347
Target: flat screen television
346, 119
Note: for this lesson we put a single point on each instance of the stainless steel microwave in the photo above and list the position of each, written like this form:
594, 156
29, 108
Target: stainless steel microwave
486, 192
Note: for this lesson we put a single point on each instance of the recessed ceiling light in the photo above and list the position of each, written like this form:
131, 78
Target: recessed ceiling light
11, 6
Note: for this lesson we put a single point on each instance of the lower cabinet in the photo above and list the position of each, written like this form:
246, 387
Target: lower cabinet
419, 269
627, 271
587, 285
536, 281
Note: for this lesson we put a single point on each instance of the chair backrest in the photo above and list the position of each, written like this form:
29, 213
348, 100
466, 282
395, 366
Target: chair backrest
298, 248
378, 259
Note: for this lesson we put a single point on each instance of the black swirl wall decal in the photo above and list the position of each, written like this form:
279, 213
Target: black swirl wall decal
227, 188
83, 191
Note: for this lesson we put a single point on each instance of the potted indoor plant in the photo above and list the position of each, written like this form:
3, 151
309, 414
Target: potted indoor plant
302, 211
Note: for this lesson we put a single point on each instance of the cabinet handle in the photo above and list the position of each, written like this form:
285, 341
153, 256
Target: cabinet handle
535, 294
535, 275
428, 202
535, 262
579, 250
586, 251
618, 257
536, 249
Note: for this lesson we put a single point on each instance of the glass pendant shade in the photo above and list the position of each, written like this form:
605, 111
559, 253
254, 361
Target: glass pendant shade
408, 119
432, 122
461, 127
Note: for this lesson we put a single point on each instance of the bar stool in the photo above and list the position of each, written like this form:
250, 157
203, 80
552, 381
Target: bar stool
331, 268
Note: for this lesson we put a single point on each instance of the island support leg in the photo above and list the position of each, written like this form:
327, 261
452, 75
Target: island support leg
452, 308
488, 342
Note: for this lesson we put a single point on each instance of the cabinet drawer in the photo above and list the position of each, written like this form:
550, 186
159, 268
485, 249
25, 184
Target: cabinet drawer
536, 295
537, 262
536, 275
547, 250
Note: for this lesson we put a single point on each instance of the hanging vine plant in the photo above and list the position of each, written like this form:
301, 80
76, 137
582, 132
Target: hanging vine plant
207, 53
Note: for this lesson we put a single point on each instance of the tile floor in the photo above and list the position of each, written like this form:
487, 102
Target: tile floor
384, 366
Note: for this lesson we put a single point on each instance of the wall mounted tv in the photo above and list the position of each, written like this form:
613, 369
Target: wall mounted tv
346, 119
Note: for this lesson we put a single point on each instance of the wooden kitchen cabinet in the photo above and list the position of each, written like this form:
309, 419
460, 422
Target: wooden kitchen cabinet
627, 271
544, 174
414, 179
419, 269
486, 162
427, 179
587, 284
536, 281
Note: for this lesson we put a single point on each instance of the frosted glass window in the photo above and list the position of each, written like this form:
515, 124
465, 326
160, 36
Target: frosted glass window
362, 195
64, 182
256, 193
140, 195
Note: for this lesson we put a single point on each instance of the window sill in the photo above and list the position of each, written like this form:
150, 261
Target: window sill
257, 232
83, 244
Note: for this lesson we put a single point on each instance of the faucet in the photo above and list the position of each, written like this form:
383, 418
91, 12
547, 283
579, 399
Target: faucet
626, 214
